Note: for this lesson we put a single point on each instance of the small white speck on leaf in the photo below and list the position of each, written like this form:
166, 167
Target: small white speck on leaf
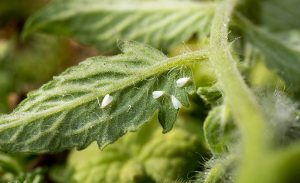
129, 108
181, 82
157, 94
106, 101
176, 103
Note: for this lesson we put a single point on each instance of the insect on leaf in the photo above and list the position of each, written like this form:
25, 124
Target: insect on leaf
67, 112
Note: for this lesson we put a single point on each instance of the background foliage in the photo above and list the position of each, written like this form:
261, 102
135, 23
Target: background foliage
40, 39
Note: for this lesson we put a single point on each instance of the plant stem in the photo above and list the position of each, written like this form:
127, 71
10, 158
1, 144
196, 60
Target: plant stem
218, 171
242, 102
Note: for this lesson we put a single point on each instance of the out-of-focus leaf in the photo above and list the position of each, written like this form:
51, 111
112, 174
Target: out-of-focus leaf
26, 64
9, 164
262, 77
162, 24
279, 55
35, 60
35, 176
4, 48
60, 173
280, 15
66, 112
284, 164
143, 156
210, 94
6, 85
15, 11
219, 129
291, 38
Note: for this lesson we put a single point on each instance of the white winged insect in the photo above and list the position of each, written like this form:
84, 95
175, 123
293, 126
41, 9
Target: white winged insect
176, 103
106, 101
157, 94
181, 82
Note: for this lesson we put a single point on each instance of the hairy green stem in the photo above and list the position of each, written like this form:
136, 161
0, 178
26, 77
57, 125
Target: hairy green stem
245, 109
218, 171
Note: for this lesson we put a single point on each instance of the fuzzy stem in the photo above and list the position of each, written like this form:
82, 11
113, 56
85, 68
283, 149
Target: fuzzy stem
242, 102
218, 171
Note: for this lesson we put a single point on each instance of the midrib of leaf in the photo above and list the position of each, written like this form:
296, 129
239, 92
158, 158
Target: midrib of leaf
242, 102
157, 69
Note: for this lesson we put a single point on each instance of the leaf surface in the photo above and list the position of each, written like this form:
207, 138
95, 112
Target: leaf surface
162, 24
66, 112
279, 56
210, 94
142, 156
219, 130
280, 15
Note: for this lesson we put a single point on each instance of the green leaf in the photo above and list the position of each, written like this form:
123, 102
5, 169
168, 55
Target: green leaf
34, 176
6, 85
210, 94
279, 55
66, 112
263, 77
219, 130
280, 15
162, 24
60, 173
146, 156
9, 164
284, 165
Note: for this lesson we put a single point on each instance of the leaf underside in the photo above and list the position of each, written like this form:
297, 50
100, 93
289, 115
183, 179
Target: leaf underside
279, 55
219, 130
162, 24
66, 113
281, 15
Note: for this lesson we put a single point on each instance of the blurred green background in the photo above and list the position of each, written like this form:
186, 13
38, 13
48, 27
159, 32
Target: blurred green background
27, 64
